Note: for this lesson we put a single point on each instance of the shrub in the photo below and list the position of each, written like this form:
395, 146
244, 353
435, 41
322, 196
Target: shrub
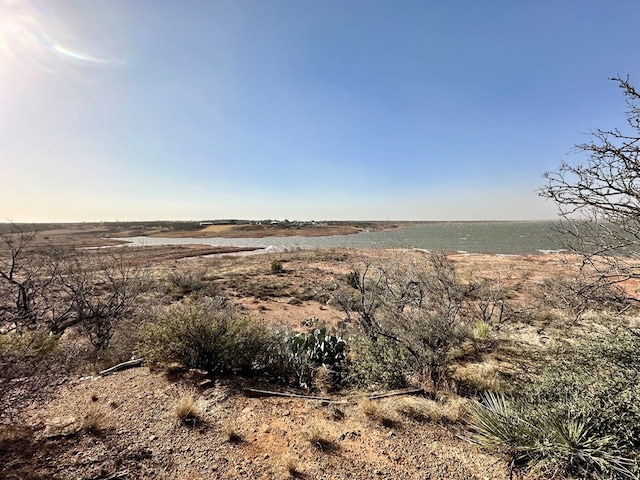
424, 309
566, 380
28, 365
94, 419
208, 336
451, 409
276, 267
184, 282
379, 364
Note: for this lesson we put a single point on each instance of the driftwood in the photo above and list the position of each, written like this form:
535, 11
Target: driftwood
122, 366
374, 396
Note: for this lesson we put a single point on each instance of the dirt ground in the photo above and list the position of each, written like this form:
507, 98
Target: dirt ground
124, 425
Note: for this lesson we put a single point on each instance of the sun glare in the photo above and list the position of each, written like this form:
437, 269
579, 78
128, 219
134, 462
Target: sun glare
32, 36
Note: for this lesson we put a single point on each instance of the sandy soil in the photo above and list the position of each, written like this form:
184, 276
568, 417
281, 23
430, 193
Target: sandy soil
137, 435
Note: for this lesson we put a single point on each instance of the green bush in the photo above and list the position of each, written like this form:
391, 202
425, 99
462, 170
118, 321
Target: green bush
209, 336
379, 364
276, 267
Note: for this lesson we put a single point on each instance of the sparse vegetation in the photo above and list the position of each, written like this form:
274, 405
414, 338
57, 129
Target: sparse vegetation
521, 345
291, 465
319, 439
421, 313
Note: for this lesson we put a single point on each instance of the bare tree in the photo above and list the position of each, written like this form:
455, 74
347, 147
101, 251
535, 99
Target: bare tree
42, 287
28, 274
100, 289
599, 198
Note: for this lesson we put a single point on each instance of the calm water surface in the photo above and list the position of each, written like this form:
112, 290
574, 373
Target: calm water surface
516, 238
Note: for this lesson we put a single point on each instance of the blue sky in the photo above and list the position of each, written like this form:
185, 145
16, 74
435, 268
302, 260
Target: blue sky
381, 110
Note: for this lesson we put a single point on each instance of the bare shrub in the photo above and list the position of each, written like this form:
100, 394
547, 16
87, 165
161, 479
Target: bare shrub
28, 283
46, 287
427, 310
598, 198
575, 295
101, 291
30, 364
94, 419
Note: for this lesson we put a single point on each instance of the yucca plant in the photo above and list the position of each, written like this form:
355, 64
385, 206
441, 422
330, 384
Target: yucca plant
547, 442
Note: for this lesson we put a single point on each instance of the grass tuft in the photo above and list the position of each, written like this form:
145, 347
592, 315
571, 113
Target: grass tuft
94, 419
231, 432
291, 466
186, 409
319, 440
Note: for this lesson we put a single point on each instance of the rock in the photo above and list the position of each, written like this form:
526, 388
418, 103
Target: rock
62, 427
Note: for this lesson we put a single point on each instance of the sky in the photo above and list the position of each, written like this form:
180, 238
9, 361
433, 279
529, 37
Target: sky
324, 110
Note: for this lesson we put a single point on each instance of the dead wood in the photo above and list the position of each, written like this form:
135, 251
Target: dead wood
122, 366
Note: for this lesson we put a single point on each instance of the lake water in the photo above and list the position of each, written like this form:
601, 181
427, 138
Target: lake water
515, 238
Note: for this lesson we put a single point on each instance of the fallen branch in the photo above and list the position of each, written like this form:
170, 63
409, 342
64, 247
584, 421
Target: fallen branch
122, 366
393, 393
269, 393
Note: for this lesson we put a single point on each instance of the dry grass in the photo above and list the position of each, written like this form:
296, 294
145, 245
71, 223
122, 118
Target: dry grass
290, 464
379, 412
94, 419
335, 413
319, 439
186, 409
368, 407
480, 377
448, 410
230, 430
